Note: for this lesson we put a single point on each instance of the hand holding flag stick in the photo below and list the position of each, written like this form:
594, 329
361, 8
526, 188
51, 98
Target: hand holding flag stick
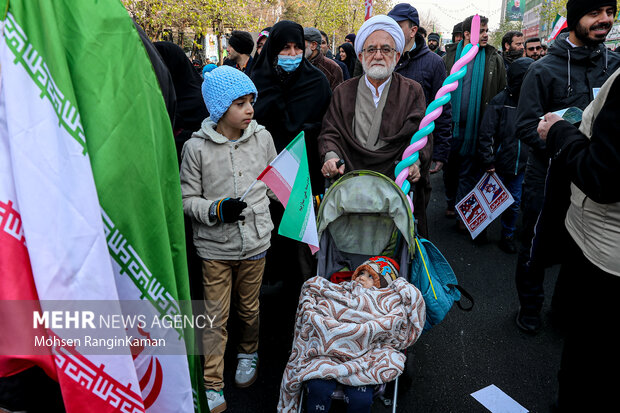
434, 110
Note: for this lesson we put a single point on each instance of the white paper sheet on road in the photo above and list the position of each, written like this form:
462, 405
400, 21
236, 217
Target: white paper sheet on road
484, 203
497, 401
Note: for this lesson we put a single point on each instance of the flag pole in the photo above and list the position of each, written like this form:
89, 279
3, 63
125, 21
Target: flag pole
248, 190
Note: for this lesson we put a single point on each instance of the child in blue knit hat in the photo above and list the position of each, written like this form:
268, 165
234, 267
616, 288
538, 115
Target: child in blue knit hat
219, 163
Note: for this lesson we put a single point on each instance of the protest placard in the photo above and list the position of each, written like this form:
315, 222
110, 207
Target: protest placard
484, 203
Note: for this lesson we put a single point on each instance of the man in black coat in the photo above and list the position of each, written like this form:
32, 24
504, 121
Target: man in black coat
512, 47
576, 65
590, 158
419, 63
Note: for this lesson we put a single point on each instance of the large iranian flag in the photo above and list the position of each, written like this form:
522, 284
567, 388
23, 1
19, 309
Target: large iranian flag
288, 177
91, 172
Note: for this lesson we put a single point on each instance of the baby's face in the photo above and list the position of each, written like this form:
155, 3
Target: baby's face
365, 279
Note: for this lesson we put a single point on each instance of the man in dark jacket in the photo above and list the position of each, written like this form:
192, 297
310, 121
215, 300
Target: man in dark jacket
576, 65
457, 32
426, 68
240, 46
485, 78
325, 45
434, 44
512, 47
501, 152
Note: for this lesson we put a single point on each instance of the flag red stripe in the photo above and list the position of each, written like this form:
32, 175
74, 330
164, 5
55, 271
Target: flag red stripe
17, 293
565, 25
79, 388
277, 183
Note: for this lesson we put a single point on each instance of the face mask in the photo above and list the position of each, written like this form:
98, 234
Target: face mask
289, 63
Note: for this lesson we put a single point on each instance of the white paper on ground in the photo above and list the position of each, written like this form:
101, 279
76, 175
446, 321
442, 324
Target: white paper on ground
497, 401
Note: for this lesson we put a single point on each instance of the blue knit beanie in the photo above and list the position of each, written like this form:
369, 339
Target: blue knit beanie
223, 85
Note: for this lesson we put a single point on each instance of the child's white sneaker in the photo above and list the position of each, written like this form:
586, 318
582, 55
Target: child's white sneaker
246, 369
216, 401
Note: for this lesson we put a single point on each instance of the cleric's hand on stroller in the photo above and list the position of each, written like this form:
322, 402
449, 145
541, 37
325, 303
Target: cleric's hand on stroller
227, 210
414, 172
332, 167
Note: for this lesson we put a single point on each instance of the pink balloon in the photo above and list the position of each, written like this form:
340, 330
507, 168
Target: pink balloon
468, 57
475, 30
431, 117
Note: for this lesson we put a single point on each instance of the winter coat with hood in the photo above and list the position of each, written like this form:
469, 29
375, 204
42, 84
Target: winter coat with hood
429, 70
498, 143
214, 168
565, 77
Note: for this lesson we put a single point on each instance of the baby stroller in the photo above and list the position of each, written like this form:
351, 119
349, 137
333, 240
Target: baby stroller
364, 214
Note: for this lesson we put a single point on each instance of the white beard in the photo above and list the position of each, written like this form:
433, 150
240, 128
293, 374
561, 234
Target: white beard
379, 72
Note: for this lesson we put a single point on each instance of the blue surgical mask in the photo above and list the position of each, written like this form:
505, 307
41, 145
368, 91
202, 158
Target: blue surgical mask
289, 63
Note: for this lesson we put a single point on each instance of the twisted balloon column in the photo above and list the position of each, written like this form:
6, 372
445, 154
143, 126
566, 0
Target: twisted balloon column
434, 110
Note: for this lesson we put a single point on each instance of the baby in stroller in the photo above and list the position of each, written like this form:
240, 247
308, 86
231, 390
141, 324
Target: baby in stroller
351, 333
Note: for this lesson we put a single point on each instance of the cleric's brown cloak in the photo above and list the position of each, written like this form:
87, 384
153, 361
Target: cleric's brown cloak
401, 118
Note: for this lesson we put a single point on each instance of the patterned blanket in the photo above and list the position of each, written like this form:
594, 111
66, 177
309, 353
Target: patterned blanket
351, 334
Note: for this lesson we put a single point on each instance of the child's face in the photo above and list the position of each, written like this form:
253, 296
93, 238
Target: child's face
365, 279
240, 113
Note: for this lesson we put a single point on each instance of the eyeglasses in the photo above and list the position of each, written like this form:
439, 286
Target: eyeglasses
385, 50
531, 49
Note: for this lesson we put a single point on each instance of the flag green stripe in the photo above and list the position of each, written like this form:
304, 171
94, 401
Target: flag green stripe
294, 147
301, 194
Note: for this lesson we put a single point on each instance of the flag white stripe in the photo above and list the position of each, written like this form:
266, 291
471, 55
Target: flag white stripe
287, 166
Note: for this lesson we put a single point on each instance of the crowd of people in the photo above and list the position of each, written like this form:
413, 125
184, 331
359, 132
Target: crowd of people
358, 104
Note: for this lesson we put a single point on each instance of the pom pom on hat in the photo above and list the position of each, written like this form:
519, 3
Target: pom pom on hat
208, 68
383, 270
222, 86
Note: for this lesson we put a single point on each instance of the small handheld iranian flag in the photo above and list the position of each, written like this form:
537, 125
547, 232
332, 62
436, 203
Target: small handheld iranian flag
289, 179
558, 25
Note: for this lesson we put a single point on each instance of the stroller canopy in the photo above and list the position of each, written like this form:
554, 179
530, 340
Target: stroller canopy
361, 210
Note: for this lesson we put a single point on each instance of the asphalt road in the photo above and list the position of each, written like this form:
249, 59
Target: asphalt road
465, 353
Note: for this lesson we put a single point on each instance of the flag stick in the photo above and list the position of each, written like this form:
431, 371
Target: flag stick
247, 190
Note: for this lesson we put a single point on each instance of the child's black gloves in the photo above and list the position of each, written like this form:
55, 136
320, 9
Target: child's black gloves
227, 210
